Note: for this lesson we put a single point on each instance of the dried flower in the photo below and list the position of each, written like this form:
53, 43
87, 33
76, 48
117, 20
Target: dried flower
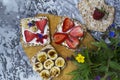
30, 24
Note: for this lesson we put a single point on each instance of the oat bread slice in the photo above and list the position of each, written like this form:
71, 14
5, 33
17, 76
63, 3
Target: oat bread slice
35, 31
42, 61
87, 8
72, 31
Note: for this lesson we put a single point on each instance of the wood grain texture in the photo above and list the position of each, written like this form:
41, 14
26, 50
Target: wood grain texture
64, 52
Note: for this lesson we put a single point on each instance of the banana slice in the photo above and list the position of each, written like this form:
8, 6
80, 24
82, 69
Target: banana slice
41, 56
52, 54
38, 66
55, 71
48, 64
45, 74
60, 62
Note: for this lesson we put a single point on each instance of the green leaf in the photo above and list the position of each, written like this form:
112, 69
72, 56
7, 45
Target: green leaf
74, 72
100, 44
102, 68
113, 75
114, 65
76, 63
76, 77
86, 74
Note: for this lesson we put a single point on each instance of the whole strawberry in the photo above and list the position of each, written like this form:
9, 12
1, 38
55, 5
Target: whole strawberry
98, 14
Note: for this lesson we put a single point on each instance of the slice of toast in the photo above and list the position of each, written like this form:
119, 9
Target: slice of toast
48, 63
87, 8
35, 31
70, 32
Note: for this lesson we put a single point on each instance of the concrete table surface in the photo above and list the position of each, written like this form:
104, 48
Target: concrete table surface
14, 64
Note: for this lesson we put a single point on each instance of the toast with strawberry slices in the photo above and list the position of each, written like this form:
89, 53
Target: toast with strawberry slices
97, 15
35, 31
69, 33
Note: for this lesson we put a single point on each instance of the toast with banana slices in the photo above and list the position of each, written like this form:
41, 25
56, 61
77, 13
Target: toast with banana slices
48, 63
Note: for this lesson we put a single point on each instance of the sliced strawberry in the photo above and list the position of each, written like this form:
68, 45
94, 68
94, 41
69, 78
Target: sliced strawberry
29, 36
76, 32
67, 24
41, 24
59, 37
72, 42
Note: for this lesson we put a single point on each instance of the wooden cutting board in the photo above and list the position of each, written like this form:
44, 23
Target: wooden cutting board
53, 22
